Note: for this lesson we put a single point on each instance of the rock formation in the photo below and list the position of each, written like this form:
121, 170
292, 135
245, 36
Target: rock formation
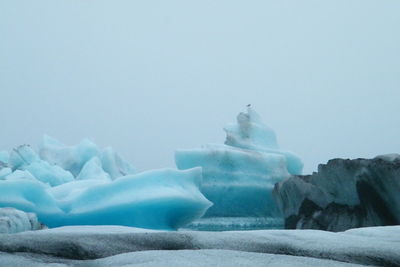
343, 194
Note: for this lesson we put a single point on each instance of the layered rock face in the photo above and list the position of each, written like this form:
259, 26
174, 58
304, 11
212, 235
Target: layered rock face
343, 194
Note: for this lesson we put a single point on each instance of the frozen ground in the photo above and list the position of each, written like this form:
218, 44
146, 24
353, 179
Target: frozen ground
119, 246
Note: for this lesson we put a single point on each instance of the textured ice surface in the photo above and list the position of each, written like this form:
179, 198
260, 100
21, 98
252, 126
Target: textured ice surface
238, 177
116, 246
83, 184
14, 221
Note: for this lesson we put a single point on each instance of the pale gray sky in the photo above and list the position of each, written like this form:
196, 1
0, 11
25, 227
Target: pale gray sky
148, 77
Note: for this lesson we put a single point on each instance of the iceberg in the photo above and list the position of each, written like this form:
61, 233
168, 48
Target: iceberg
86, 185
343, 194
158, 199
24, 158
239, 176
74, 158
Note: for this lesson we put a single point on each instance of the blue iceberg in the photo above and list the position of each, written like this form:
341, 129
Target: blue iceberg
239, 176
86, 185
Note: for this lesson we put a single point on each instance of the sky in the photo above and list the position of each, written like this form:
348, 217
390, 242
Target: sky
150, 77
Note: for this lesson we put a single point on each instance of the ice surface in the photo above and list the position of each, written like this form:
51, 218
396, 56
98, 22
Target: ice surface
14, 221
188, 258
238, 177
379, 246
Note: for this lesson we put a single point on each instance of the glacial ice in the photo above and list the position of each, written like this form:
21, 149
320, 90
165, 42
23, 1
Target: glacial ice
73, 158
86, 246
343, 194
14, 221
84, 184
238, 177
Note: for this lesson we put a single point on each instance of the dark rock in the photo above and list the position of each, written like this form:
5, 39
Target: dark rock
343, 194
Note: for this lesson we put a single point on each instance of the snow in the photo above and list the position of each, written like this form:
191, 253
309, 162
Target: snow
14, 221
238, 177
70, 245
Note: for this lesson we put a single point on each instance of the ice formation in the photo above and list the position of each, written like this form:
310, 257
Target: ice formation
343, 194
85, 185
238, 177
14, 221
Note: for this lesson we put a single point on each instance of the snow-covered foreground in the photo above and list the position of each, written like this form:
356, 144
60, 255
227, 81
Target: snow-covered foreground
118, 246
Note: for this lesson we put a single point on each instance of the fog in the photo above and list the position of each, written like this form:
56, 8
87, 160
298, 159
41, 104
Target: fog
149, 77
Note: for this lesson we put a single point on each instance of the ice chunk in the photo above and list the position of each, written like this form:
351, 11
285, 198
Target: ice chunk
22, 156
93, 170
251, 133
71, 158
238, 177
49, 174
237, 181
114, 164
14, 221
74, 158
343, 194
159, 199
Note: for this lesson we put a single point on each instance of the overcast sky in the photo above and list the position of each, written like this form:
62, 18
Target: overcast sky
148, 77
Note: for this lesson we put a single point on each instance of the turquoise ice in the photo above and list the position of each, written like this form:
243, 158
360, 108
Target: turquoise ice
87, 185
238, 176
